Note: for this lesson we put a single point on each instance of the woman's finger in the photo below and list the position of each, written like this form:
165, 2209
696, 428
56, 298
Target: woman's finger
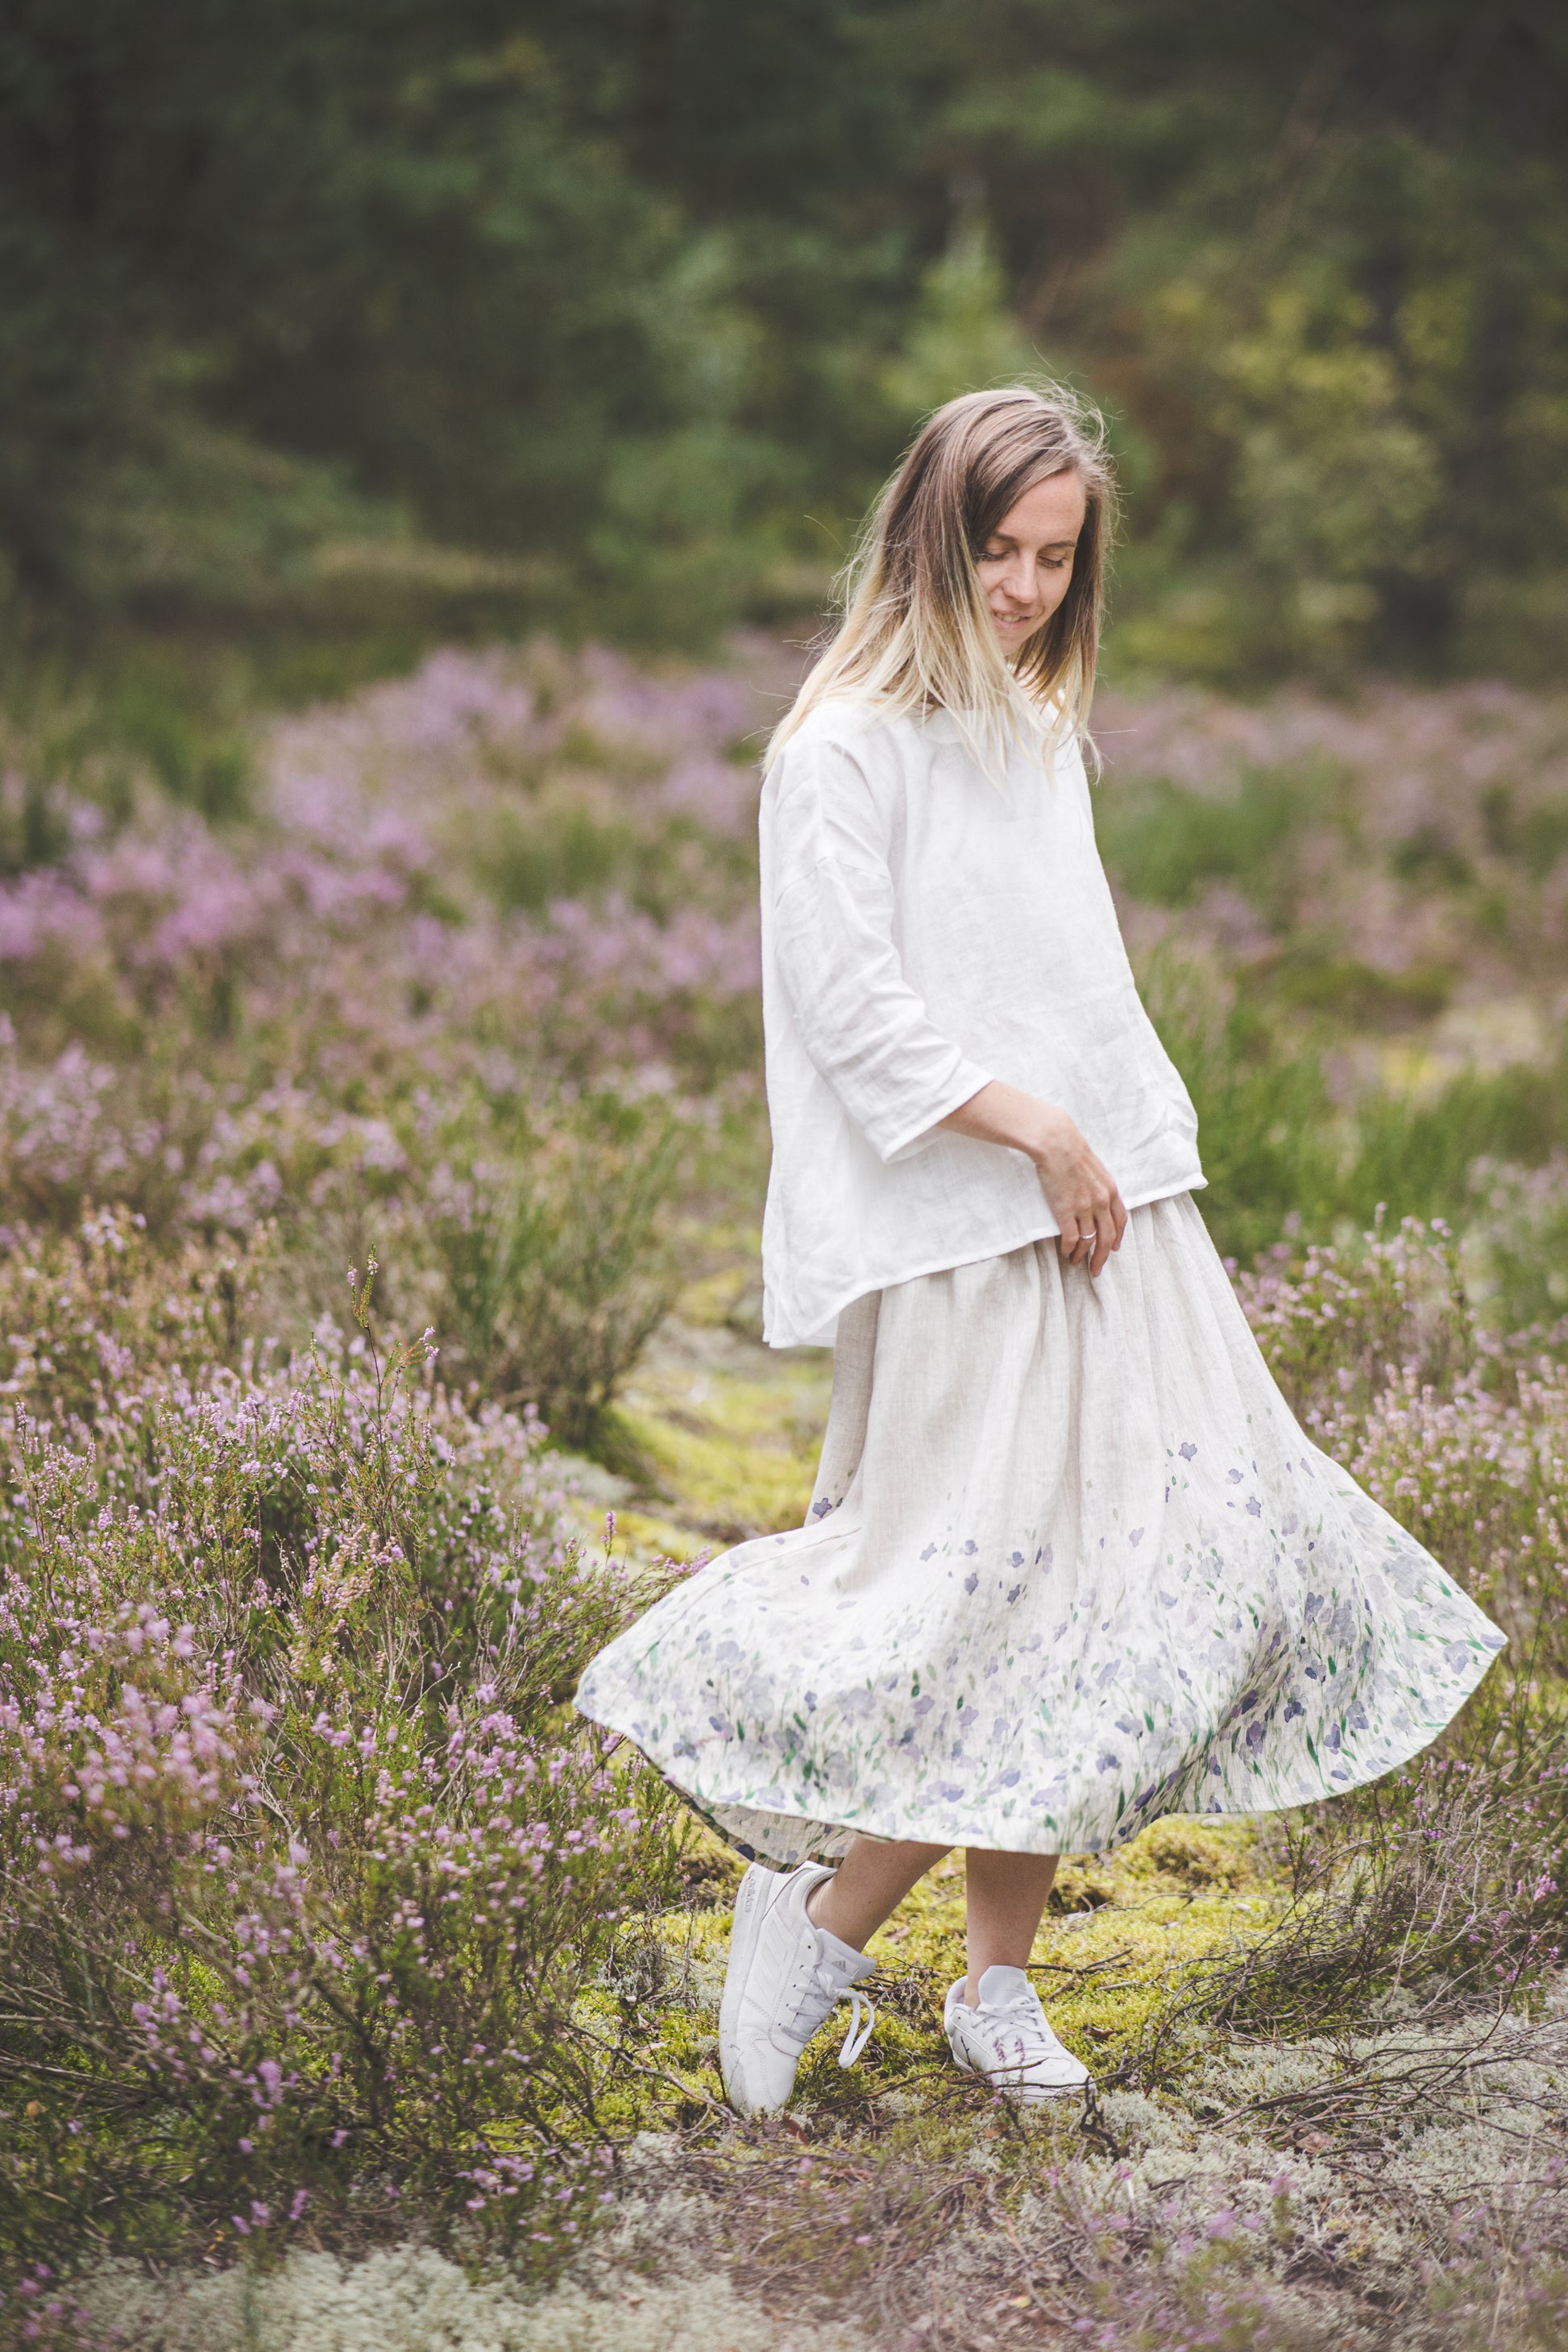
1111, 1226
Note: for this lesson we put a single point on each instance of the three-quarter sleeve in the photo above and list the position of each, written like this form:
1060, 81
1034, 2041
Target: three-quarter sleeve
863, 1027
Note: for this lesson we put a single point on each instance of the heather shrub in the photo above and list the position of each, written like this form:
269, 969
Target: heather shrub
1339, 1325
1517, 1222
1461, 1434
88, 1314
546, 1245
305, 1870
1199, 2298
407, 1003
1432, 1894
1210, 2286
78, 1126
529, 1224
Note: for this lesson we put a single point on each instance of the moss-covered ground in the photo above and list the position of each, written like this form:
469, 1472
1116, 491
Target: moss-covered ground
729, 1429
1120, 1933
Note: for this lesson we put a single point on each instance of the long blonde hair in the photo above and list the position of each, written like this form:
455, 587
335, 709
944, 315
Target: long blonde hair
915, 635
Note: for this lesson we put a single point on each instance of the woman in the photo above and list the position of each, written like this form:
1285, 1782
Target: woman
1071, 1563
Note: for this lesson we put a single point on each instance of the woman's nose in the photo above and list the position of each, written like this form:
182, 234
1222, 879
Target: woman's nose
1018, 579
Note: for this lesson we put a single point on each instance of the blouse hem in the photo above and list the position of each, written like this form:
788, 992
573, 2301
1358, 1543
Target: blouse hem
821, 1332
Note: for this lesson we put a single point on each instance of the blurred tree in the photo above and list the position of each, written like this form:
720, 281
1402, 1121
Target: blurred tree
1320, 254
961, 335
640, 285
359, 234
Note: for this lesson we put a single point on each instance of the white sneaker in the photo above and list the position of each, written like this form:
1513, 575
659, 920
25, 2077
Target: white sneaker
1008, 2039
785, 1977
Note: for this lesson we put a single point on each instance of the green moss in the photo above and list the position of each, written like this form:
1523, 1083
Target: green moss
731, 1430
1180, 1894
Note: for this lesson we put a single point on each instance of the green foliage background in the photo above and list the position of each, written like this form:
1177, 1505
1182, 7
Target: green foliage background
620, 307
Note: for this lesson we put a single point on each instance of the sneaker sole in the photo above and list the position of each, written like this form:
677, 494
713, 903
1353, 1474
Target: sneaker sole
759, 1889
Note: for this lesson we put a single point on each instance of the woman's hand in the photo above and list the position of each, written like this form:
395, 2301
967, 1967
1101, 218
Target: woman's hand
1080, 1190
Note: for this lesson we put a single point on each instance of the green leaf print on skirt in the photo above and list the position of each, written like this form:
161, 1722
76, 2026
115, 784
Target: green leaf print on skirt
1071, 1564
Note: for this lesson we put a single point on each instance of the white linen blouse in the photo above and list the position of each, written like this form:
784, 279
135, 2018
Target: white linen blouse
928, 927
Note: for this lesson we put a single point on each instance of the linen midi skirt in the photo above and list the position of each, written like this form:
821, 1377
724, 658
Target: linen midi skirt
1070, 1565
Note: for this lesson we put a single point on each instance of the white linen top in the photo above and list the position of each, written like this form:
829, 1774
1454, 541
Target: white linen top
928, 927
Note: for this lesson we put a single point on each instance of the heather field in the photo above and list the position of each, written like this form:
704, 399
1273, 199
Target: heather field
381, 1163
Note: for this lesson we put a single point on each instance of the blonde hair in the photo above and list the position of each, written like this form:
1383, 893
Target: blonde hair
915, 635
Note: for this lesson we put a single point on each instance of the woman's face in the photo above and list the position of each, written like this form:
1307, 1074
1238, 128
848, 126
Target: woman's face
1026, 565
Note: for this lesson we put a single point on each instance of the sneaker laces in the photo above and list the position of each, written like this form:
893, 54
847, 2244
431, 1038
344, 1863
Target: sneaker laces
813, 1997
1019, 2034
855, 2041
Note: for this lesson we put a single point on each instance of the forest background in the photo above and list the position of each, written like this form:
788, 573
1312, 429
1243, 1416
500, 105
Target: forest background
616, 314
427, 438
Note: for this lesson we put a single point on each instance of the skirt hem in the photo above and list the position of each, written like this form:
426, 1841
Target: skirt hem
1137, 1819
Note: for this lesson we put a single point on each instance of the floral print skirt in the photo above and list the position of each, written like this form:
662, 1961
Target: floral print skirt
1071, 1564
